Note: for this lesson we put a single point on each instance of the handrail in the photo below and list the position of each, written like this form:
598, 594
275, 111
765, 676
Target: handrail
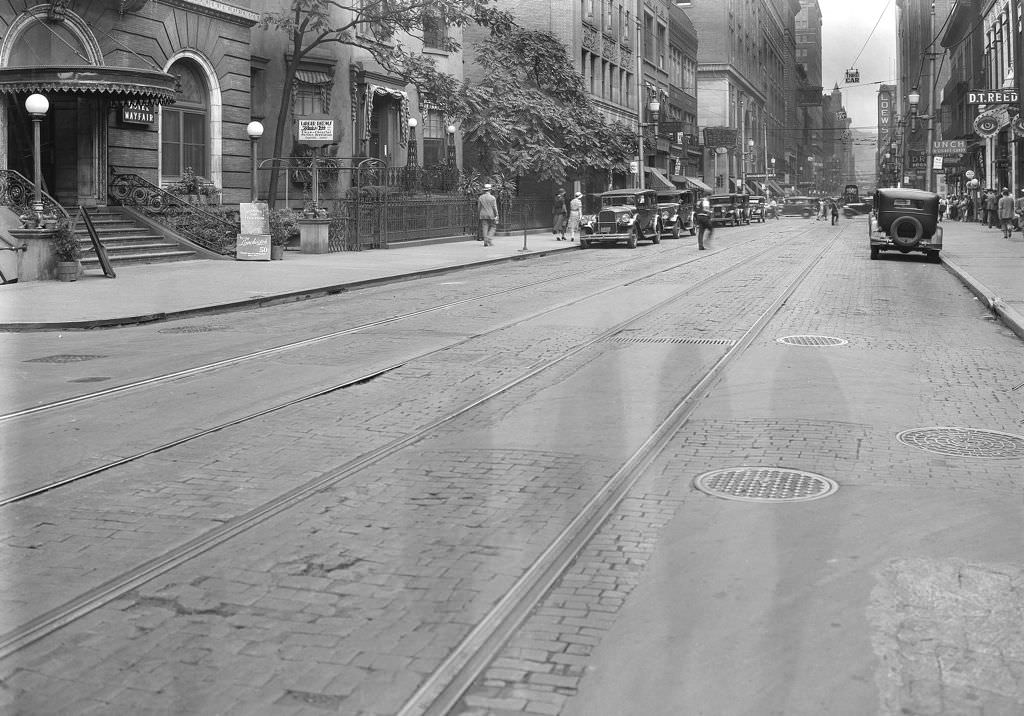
202, 227
18, 192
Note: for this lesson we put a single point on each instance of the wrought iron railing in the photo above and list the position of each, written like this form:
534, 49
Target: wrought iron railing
172, 211
18, 192
359, 223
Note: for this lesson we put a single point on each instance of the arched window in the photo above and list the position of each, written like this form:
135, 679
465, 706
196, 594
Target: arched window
184, 128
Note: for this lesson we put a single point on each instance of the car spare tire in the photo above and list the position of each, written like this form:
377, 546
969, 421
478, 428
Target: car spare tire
906, 231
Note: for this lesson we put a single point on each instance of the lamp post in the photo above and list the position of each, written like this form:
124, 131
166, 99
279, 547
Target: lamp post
411, 156
37, 106
255, 131
653, 111
810, 171
748, 154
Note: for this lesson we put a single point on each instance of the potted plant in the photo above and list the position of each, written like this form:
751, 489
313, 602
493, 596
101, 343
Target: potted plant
66, 250
283, 228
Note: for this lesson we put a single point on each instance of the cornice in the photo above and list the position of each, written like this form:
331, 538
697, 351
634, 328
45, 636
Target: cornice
217, 9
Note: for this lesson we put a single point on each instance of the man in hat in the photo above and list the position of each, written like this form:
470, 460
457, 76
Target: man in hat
487, 207
575, 215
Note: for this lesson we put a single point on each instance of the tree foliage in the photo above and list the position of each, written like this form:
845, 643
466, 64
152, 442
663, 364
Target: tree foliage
532, 115
374, 26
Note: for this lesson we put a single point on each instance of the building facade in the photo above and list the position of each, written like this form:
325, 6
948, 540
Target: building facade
133, 87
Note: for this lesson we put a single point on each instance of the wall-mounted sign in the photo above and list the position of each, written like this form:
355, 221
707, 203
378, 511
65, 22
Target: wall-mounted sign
949, 146
720, 136
808, 97
840, 115
316, 130
992, 97
937, 162
138, 113
986, 124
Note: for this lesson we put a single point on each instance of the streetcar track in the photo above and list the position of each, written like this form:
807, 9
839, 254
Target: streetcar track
305, 342
91, 472
96, 597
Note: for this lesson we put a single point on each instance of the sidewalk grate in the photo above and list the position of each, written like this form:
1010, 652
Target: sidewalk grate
765, 484
63, 358
964, 442
672, 339
815, 341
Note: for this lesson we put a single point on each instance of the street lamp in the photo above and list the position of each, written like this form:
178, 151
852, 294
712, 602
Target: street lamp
749, 154
255, 131
37, 106
411, 156
653, 111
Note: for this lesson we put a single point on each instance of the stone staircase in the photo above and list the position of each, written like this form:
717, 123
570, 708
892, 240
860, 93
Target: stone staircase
126, 241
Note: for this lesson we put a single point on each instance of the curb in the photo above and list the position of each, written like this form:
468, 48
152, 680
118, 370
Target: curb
1008, 315
270, 300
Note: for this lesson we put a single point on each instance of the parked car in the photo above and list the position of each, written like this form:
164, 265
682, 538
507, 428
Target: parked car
805, 206
905, 220
728, 209
858, 208
626, 216
757, 206
676, 209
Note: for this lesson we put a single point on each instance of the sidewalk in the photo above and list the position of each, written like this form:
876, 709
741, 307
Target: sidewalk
991, 266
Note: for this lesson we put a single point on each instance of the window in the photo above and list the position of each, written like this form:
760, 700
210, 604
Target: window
649, 47
434, 138
183, 125
662, 44
435, 31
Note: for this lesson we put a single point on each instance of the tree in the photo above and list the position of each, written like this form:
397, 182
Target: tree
372, 25
531, 114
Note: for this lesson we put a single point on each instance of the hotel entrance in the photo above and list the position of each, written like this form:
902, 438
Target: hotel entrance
70, 138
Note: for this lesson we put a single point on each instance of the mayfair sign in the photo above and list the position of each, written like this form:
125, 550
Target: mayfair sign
992, 97
138, 113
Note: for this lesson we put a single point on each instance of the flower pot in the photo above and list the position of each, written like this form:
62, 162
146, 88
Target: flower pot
67, 270
276, 252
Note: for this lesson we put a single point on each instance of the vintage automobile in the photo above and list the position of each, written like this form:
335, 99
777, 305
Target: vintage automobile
857, 208
905, 220
757, 207
729, 209
805, 206
676, 209
627, 216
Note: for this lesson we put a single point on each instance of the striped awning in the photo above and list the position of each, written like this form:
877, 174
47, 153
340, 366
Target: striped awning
698, 184
309, 77
124, 82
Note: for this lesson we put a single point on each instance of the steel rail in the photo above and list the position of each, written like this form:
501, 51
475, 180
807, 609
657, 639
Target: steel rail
92, 599
441, 691
305, 342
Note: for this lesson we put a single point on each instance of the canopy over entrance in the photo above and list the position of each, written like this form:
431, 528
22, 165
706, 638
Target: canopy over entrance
657, 180
127, 83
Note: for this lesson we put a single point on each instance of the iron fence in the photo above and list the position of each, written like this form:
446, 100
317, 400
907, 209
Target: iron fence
18, 192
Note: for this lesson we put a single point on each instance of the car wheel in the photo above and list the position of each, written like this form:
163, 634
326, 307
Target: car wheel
905, 242
934, 257
631, 241
584, 244
874, 253
656, 237
693, 231
675, 230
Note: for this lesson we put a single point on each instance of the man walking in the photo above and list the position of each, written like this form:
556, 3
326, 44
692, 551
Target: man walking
702, 217
991, 209
487, 207
1006, 208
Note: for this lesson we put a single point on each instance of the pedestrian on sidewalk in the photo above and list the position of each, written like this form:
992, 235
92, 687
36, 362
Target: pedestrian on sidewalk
991, 209
942, 207
575, 215
487, 207
1006, 211
834, 210
560, 214
1019, 210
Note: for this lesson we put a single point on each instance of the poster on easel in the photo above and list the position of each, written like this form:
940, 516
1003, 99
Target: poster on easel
253, 241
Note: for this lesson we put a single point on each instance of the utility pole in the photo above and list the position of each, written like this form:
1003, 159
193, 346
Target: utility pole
1017, 84
930, 176
639, 96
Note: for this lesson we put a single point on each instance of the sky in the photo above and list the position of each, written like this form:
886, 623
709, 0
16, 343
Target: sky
848, 42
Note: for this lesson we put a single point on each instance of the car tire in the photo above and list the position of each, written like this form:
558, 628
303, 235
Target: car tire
632, 240
584, 244
902, 241
675, 230
934, 257
874, 253
693, 231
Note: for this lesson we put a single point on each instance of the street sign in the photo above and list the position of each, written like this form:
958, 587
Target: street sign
634, 167
937, 162
852, 77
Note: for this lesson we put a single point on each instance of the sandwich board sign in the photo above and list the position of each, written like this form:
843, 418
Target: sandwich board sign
253, 242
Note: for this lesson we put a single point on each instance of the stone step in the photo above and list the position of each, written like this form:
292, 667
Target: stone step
91, 260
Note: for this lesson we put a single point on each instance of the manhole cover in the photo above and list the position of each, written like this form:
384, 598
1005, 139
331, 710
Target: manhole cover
765, 484
964, 442
63, 358
192, 329
812, 341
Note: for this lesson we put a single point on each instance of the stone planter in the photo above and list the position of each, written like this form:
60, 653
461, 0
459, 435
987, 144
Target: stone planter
276, 252
313, 235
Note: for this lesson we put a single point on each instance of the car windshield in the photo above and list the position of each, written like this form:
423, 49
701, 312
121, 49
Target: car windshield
719, 200
626, 200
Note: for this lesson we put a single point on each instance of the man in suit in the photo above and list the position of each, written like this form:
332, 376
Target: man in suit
488, 212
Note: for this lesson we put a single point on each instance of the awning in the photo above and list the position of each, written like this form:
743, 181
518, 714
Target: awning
658, 180
775, 187
127, 82
756, 188
313, 78
696, 184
